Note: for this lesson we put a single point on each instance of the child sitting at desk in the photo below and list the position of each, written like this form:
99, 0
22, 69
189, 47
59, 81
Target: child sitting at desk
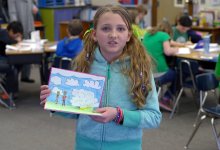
11, 35
180, 36
72, 45
137, 30
157, 43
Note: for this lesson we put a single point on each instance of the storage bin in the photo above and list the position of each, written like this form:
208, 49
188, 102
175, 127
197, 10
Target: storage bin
46, 3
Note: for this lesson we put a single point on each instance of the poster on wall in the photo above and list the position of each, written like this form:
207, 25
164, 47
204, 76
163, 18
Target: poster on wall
215, 2
178, 3
205, 3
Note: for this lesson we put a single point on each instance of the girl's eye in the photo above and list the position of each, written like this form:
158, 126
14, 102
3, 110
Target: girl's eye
106, 28
121, 29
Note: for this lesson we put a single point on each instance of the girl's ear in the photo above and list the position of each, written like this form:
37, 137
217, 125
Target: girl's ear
94, 35
129, 36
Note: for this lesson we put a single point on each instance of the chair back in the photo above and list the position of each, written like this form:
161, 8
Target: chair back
206, 81
188, 70
62, 62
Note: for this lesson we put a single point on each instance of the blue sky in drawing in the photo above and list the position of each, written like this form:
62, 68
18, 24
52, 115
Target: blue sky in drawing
83, 90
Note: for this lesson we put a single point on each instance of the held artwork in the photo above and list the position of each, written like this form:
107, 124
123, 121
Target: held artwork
74, 92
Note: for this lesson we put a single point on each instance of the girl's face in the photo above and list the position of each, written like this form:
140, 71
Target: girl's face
111, 34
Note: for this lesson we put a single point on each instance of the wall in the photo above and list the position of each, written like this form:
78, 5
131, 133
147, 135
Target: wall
166, 9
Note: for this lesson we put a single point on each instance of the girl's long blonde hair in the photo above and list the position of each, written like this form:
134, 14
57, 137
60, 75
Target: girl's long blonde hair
139, 72
163, 26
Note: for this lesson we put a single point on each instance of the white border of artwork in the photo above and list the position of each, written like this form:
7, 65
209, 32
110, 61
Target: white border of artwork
179, 3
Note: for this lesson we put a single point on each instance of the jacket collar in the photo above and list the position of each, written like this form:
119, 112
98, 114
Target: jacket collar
99, 58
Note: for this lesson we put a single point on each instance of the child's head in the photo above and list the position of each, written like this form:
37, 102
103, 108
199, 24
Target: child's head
15, 30
163, 26
184, 23
142, 11
112, 34
75, 27
133, 15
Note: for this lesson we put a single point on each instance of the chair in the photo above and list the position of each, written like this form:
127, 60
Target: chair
62, 62
187, 71
206, 82
156, 78
5, 98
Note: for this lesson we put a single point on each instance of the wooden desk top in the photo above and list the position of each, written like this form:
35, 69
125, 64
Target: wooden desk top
47, 47
13, 52
199, 55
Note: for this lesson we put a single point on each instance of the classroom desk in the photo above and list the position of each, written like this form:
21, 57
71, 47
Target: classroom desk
207, 61
48, 58
27, 57
200, 56
215, 31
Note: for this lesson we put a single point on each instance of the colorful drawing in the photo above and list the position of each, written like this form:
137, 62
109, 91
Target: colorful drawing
57, 97
74, 92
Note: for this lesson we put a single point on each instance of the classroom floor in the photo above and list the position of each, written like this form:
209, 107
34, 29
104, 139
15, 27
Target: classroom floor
29, 127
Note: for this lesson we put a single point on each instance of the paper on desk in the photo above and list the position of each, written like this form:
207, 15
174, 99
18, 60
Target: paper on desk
191, 46
53, 47
10, 47
18, 48
212, 47
183, 50
30, 41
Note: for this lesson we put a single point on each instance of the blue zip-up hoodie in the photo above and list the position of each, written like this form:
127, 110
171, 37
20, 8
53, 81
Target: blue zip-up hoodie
92, 135
69, 47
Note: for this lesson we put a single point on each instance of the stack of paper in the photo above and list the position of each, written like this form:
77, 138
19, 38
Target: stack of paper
19, 48
198, 47
183, 50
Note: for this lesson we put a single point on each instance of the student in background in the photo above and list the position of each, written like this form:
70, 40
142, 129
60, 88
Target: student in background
147, 18
137, 30
129, 102
4, 11
141, 12
72, 45
157, 44
180, 36
23, 10
193, 36
12, 35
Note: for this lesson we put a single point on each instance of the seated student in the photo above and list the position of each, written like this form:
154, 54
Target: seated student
142, 11
11, 35
72, 45
194, 36
180, 36
157, 44
137, 30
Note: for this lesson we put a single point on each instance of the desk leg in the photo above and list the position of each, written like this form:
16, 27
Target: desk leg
45, 70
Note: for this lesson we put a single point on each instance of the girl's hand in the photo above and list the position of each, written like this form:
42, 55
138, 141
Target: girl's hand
108, 114
188, 43
44, 93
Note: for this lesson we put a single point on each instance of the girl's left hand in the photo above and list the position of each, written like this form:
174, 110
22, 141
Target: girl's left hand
108, 114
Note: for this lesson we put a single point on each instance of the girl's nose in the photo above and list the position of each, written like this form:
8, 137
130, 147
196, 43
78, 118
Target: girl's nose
113, 34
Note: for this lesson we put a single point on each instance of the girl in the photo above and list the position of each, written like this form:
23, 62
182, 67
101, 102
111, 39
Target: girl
157, 43
129, 101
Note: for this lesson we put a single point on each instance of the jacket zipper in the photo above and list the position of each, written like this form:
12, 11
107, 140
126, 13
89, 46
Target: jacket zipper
108, 75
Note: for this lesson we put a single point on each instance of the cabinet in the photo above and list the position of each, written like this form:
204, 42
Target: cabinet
63, 27
215, 31
52, 16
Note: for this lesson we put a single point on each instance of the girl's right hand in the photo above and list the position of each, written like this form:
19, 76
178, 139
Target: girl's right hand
44, 93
